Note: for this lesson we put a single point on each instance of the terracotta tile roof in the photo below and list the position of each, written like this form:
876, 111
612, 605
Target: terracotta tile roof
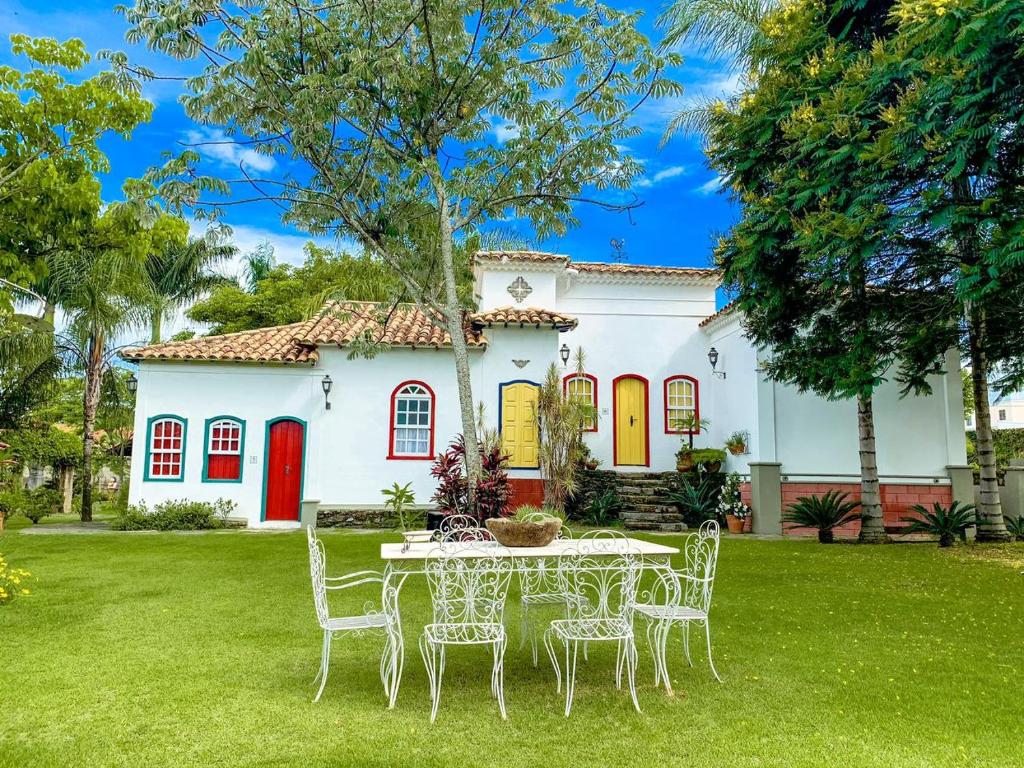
537, 257
406, 326
604, 268
262, 345
506, 316
720, 313
336, 324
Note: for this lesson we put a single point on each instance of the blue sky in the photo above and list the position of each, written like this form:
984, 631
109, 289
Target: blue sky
675, 226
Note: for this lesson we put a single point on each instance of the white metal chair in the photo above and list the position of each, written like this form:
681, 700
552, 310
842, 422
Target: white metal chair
465, 528
369, 621
601, 581
539, 586
468, 586
682, 597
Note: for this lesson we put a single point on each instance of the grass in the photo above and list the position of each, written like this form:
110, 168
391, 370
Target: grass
200, 649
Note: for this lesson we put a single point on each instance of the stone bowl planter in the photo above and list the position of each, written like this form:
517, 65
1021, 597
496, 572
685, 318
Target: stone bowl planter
521, 533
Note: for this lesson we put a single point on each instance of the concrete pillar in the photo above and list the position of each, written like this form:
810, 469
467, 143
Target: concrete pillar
961, 478
766, 496
308, 513
1012, 492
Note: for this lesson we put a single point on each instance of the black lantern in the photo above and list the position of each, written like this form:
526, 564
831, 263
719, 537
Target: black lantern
564, 352
326, 383
133, 383
713, 359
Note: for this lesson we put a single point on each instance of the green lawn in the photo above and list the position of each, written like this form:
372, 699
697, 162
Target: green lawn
200, 649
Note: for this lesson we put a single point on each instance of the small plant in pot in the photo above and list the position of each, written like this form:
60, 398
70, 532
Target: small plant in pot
689, 425
529, 526
731, 506
824, 513
709, 460
737, 443
1015, 525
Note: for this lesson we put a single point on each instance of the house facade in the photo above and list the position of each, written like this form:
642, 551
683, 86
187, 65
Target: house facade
285, 419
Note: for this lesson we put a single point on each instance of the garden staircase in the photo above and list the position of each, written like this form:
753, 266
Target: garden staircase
645, 502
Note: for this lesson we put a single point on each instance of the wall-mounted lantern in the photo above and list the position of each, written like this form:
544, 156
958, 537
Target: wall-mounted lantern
326, 383
564, 352
133, 384
713, 359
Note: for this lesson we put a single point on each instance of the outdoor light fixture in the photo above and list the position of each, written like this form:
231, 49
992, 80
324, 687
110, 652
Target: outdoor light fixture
564, 352
326, 383
133, 383
713, 359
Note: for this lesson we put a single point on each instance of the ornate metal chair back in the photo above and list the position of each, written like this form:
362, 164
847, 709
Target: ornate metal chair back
463, 528
468, 585
317, 573
603, 586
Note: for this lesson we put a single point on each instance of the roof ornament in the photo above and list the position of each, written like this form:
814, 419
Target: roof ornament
521, 363
619, 250
520, 289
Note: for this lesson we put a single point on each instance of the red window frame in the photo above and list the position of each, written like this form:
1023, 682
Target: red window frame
393, 426
593, 382
696, 405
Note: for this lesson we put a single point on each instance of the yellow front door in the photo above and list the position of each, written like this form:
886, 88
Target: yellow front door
520, 435
630, 421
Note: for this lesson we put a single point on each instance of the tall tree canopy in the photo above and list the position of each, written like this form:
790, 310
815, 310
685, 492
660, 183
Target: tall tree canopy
50, 128
384, 113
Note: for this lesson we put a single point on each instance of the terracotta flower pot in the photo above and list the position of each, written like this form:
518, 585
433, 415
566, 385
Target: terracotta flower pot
713, 466
735, 523
737, 450
684, 462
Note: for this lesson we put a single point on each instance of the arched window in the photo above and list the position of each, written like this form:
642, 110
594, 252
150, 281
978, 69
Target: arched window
412, 421
682, 406
583, 386
225, 441
165, 448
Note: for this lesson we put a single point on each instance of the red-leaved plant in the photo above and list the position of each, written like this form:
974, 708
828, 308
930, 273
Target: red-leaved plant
493, 492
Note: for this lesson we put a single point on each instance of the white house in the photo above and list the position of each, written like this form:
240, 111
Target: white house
245, 416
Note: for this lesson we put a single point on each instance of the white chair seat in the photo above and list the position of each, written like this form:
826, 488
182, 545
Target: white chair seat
349, 623
592, 629
464, 634
671, 612
548, 598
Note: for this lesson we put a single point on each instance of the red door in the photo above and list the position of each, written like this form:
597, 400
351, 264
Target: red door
284, 470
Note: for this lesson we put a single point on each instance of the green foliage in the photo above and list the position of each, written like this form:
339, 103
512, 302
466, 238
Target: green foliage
1008, 443
603, 510
530, 513
175, 515
39, 503
562, 421
822, 512
703, 456
51, 123
397, 500
1015, 525
945, 522
46, 447
285, 294
729, 502
968, 389
697, 498
737, 442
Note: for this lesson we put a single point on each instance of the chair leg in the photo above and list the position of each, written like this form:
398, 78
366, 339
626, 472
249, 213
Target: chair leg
524, 624
653, 648
325, 661
631, 659
620, 659
663, 631
435, 668
686, 642
499, 675
707, 633
549, 644
570, 674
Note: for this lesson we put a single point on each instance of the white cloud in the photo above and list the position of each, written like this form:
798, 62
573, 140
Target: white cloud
710, 187
668, 173
218, 146
505, 131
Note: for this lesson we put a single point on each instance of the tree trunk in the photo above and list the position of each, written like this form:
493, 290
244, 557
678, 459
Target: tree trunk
991, 526
67, 488
90, 404
50, 314
453, 316
872, 524
156, 320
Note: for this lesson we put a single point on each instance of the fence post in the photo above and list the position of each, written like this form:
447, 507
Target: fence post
961, 477
308, 513
1012, 492
766, 496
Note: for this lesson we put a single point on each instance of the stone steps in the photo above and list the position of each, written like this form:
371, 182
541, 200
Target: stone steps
646, 506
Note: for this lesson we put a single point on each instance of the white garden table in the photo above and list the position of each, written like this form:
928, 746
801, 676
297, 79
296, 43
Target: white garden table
404, 560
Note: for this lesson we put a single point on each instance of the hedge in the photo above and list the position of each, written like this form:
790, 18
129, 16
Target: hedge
1009, 444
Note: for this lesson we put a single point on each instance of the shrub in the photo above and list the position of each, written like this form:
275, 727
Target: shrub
533, 513
1008, 443
702, 456
493, 491
13, 582
397, 499
945, 522
730, 503
1015, 525
822, 512
175, 515
603, 510
697, 499
40, 503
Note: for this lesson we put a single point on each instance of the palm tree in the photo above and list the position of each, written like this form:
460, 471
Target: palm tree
257, 265
103, 290
179, 273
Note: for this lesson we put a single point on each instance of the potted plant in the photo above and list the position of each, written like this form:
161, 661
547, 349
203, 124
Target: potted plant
708, 459
689, 425
586, 459
822, 512
737, 443
731, 506
529, 526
